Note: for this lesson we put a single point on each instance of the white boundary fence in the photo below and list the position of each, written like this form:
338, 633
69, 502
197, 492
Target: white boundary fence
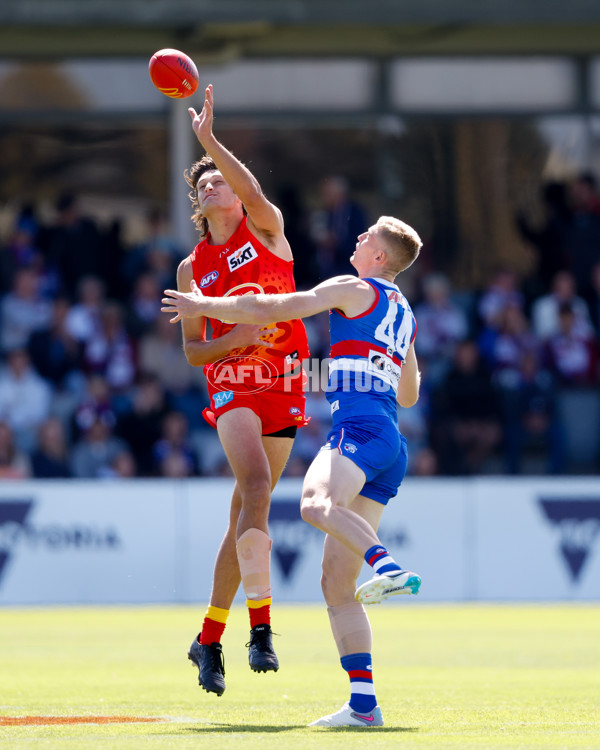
152, 541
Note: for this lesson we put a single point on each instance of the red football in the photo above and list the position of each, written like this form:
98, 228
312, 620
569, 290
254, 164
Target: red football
173, 73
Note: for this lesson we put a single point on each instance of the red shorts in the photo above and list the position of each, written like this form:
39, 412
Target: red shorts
279, 406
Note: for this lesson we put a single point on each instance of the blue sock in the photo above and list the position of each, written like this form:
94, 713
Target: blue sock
381, 561
362, 690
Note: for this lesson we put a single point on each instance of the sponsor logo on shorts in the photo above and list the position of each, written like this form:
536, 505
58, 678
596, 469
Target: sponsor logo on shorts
220, 399
242, 374
295, 410
240, 257
208, 279
350, 447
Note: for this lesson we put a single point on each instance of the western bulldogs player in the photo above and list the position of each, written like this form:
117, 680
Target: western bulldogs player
359, 469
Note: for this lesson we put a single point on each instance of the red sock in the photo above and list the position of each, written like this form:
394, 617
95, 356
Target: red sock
260, 615
213, 625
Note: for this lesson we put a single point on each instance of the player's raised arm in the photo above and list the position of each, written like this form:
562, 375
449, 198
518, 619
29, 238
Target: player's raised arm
263, 214
347, 293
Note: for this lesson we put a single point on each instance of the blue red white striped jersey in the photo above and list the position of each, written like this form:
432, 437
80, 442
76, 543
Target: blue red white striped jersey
367, 353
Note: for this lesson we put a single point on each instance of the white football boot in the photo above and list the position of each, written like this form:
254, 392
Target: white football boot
381, 586
346, 717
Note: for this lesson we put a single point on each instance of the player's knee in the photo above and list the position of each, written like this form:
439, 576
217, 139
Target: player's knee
312, 511
255, 492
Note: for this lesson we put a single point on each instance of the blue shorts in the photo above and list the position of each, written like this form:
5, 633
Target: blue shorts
377, 447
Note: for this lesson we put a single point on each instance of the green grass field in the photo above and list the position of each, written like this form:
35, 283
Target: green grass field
447, 677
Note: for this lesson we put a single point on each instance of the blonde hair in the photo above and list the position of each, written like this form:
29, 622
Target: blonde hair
402, 242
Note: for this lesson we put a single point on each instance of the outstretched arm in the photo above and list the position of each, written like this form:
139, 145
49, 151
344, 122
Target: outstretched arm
346, 293
264, 215
198, 350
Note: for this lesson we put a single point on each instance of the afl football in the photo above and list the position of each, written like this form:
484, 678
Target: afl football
173, 73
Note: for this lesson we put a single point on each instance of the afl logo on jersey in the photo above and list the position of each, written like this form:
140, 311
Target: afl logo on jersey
208, 279
240, 257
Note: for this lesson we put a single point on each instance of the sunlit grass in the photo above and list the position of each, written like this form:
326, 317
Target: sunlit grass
446, 677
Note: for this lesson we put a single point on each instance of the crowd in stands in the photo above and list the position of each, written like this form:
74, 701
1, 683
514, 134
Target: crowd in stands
94, 382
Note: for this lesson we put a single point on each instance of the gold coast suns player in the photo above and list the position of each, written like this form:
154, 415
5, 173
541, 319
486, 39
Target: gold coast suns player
254, 381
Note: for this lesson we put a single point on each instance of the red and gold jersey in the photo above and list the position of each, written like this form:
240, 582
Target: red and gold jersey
243, 265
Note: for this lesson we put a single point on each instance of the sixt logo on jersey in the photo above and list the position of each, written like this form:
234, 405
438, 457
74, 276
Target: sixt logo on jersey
208, 279
240, 257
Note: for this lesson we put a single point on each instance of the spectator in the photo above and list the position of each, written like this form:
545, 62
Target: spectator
84, 319
545, 310
594, 299
95, 404
50, 457
73, 245
123, 466
21, 245
144, 305
297, 231
317, 331
141, 428
113, 254
54, 352
466, 427
22, 311
336, 227
502, 292
504, 347
550, 239
530, 420
24, 398
159, 254
13, 463
584, 239
572, 355
175, 451
93, 455
110, 353
24, 252
174, 465
161, 354
441, 325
